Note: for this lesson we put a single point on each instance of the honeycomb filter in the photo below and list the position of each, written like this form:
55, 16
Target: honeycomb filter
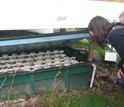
28, 62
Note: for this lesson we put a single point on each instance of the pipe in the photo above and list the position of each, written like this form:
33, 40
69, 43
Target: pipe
93, 75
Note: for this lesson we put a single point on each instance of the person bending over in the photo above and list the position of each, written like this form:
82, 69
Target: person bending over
102, 30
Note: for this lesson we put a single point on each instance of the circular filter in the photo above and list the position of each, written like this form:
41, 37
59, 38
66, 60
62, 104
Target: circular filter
27, 68
67, 64
2, 61
63, 55
55, 51
37, 66
39, 57
5, 56
21, 59
74, 62
32, 53
23, 54
41, 53
48, 60
47, 65
61, 51
57, 59
47, 56
48, 52
14, 55
57, 65
57, 55
16, 68
9, 65
5, 70
58, 62
18, 62
22, 68
30, 62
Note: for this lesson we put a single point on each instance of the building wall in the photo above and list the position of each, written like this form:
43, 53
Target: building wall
113, 0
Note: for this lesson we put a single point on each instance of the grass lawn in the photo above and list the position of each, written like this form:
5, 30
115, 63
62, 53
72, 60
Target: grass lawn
80, 98
85, 43
93, 99
83, 99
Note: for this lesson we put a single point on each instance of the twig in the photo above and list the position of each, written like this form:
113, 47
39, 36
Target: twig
54, 84
11, 87
60, 98
69, 101
3, 82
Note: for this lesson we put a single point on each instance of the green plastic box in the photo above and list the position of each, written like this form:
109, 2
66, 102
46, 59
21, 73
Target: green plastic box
71, 77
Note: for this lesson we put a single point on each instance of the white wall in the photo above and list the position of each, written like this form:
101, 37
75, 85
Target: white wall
37, 14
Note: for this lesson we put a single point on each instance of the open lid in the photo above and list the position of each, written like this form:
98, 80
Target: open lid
12, 41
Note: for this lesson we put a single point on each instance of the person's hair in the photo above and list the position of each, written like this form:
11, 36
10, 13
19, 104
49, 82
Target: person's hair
100, 28
121, 15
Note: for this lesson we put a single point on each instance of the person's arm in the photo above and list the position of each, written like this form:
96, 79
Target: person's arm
91, 45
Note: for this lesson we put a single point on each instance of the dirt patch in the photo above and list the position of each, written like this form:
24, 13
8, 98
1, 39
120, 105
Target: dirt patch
103, 85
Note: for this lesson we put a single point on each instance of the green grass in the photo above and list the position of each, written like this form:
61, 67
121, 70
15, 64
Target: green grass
101, 51
73, 29
93, 99
87, 99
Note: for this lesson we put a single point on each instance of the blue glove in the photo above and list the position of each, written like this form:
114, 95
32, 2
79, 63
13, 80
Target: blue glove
122, 79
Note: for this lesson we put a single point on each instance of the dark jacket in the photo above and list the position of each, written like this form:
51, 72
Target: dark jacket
116, 39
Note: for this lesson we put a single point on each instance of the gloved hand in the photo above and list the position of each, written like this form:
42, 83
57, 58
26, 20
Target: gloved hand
122, 79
